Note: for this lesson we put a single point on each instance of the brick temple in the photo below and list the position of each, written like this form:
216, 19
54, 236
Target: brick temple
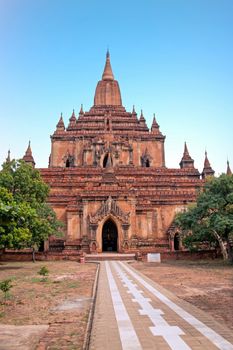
109, 181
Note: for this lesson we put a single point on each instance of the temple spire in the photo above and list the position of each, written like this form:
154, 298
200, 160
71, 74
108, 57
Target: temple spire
155, 126
207, 170
81, 109
206, 161
107, 74
186, 161
107, 91
134, 114
72, 121
142, 119
73, 117
229, 172
186, 152
60, 124
8, 158
28, 157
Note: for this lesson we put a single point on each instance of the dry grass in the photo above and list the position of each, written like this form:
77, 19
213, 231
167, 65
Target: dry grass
35, 301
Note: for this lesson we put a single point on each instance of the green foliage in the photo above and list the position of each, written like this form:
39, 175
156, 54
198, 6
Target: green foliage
24, 182
35, 279
211, 219
44, 271
14, 221
5, 287
25, 218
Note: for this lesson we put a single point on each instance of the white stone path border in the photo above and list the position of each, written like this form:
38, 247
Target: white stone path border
209, 333
171, 334
128, 336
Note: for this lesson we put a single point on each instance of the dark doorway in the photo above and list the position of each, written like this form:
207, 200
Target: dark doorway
105, 160
109, 237
176, 242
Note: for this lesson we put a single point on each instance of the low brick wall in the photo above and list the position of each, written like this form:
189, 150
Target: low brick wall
46, 256
40, 256
186, 255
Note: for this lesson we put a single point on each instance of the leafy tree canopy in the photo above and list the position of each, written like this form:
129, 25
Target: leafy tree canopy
211, 218
23, 182
25, 218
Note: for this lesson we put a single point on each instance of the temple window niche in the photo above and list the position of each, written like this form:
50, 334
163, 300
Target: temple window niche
146, 159
69, 162
107, 162
108, 125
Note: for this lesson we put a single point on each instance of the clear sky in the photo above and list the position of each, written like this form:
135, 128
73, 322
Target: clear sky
170, 57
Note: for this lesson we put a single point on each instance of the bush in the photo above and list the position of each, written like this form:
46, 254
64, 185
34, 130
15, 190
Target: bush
5, 286
44, 271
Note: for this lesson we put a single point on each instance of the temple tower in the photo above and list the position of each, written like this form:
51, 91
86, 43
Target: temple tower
207, 170
28, 157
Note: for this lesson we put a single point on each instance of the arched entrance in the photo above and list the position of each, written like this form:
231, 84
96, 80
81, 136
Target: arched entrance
109, 237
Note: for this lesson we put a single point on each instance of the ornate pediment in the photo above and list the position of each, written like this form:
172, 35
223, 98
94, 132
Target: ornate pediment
109, 207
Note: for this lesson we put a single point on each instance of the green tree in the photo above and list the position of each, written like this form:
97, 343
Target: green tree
14, 221
23, 182
25, 218
211, 218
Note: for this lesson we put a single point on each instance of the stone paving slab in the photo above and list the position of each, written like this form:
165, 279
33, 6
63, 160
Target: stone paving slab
20, 337
104, 333
133, 312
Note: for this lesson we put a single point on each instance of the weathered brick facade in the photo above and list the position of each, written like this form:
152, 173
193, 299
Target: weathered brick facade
109, 182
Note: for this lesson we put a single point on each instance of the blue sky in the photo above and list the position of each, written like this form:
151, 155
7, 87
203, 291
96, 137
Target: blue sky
170, 57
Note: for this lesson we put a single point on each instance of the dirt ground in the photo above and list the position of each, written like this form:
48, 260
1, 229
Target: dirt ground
62, 301
206, 284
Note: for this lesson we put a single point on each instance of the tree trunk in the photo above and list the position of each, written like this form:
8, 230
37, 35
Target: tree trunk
33, 255
222, 246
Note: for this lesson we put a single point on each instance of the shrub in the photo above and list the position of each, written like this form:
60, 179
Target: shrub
5, 286
44, 271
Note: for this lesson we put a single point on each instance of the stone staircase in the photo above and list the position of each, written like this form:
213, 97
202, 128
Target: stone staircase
109, 256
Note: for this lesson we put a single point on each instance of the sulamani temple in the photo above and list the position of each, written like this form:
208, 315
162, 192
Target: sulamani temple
109, 182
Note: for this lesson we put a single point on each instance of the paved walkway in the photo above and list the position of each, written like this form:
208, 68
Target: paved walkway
134, 313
